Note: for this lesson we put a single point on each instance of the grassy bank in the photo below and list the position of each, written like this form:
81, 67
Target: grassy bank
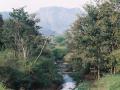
109, 82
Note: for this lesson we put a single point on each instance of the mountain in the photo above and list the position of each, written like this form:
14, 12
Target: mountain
57, 19
5, 15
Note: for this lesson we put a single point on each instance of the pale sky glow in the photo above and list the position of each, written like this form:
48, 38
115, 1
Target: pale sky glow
34, 5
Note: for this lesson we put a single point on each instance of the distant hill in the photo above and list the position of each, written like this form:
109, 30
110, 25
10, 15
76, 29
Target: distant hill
55, 20
58, 19
5, 15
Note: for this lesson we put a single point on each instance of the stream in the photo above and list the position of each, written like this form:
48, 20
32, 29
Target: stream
69, 83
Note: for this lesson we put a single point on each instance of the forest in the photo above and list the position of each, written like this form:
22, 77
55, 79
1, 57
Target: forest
86, 56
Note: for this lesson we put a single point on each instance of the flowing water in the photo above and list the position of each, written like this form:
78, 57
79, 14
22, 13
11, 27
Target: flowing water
69, 83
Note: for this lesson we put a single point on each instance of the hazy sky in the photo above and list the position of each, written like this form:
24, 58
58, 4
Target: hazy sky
34, 5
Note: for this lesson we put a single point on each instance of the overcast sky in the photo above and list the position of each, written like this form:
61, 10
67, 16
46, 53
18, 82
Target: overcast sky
34, 5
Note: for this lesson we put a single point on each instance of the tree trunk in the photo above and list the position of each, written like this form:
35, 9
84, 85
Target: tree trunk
24, 49
114, 70
98, 73
111, 70
24, 53
41, 50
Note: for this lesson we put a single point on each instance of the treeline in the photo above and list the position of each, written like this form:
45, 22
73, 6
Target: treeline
94, 41
25, 54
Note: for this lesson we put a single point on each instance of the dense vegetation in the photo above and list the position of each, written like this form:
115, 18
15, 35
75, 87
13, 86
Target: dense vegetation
90, 49
59, 50
25, 58
94, 41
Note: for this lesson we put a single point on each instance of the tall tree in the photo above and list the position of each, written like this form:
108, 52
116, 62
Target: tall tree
96, 34
109, 23
22, 33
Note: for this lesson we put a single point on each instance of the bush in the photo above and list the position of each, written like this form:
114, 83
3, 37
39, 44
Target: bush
16, 74
11, 77
59, 52
45, 73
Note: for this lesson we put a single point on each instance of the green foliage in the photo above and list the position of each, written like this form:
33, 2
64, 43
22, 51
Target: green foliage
46, 73
79, 71
59, 52
93, 38
16, 74
11, 77
22, 45
109, 82
83, 86
60, 40
21, 34
59, 49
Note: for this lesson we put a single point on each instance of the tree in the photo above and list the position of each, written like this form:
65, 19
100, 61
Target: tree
95, 36
25, 61
109, 23
22, 33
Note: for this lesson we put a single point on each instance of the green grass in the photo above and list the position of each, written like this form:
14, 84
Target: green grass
109, 82
83, 86
2, 87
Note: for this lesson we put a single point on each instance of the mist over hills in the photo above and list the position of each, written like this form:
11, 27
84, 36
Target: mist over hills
55, 20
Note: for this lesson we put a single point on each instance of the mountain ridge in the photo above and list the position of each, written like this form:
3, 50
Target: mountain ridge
55, 20
58, 19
